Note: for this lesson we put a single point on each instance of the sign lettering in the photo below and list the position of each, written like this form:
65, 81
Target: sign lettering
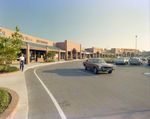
26, 38
128, 50
40, 41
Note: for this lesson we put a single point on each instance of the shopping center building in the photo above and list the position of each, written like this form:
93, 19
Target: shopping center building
35, 49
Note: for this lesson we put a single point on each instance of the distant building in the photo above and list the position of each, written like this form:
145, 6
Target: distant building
147, 53
125, 52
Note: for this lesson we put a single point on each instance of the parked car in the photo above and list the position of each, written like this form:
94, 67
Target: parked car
128, 58
135, 60
121, 61
144, 58
148, 60
98, 64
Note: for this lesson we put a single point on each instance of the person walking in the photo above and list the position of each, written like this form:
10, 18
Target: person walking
22, 62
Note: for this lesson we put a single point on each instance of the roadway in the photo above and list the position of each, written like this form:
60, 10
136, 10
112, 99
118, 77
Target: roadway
67, 90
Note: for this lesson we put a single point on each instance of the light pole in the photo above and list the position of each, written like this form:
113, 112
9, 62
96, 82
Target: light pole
135, 42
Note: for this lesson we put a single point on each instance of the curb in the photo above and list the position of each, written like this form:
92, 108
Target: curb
9, 73
11, 109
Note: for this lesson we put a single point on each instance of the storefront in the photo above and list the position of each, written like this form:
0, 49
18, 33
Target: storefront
36, 49
124, 52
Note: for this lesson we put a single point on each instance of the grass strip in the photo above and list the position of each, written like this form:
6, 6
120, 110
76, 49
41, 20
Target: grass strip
5, 99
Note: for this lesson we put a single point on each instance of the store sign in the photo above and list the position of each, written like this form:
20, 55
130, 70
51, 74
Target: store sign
40, 41
2, 33
128, 50
26, 38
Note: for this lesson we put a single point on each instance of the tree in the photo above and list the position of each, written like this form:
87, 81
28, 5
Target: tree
51, 54
10, 46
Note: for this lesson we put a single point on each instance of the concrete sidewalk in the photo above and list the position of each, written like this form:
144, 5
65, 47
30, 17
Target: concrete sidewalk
17, 83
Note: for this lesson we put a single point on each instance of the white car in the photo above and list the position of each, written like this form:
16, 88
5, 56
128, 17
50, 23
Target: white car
121, 61
135, 61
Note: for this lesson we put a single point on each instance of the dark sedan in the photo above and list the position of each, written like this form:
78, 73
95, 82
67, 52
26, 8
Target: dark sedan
98, 65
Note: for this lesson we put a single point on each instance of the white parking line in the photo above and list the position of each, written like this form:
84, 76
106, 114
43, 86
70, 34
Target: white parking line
145, 64
147, 74
52, 97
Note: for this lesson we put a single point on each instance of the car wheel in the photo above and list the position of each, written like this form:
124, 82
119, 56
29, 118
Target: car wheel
85, 67
95, 70
109, 72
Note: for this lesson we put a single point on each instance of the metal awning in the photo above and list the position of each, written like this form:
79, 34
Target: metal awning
42, 46
86, 52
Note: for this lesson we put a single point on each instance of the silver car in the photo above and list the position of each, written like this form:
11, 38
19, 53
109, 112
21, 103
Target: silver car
135, 61
121, 61
144, 58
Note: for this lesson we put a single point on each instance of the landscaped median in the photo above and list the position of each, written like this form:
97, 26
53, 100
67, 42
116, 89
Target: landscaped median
9, 101
110, 60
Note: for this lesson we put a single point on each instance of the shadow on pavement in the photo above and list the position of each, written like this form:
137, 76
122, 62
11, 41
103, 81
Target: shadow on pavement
72, 72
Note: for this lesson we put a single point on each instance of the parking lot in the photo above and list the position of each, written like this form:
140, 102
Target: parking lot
80, 93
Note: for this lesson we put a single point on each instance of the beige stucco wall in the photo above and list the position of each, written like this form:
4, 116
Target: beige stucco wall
61, 45
28, 38
100, 50
95, 50
72, 45
83, 48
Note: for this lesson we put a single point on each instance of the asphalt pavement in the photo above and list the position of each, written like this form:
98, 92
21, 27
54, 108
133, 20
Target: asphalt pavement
81, 94
18, 83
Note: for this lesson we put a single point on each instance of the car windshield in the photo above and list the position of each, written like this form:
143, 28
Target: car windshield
135, 59
98, 61
120, 59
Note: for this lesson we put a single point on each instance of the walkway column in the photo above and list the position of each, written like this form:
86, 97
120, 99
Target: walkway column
66, 56
35, 55
46, 52
59, 55
76, 55
80, 51
71, 55
84, 55
28, 54
80, 55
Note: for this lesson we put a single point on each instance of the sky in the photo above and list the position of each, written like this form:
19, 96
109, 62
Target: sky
92, 23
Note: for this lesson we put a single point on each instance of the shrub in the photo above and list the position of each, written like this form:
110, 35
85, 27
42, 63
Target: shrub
8, 68
49, 60
11, 69
5, 100
110, 60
